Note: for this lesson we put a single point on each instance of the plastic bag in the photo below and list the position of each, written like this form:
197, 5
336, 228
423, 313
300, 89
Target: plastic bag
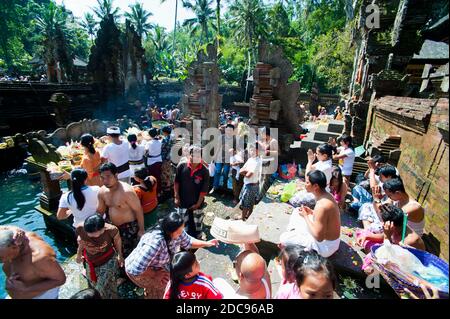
288, 191
409, 263
303, 198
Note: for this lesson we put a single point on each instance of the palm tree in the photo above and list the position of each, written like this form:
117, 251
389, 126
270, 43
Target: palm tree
105, 8
218, 23
247, 18
89, 24
139, 18
204, 15
51, 24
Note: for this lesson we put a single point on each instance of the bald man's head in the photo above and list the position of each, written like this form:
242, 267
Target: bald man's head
250, 266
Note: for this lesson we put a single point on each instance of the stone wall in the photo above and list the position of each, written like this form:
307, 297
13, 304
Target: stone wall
423, 163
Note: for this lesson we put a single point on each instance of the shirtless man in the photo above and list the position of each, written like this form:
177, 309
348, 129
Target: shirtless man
124, 207
395, 190
318, 229
29, 264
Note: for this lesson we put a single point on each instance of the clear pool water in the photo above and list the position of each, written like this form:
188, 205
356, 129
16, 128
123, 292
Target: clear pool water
18, 197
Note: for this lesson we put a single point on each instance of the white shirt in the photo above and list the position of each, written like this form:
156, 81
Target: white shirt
236, 158
90, 206
118, 155
253, 165
153, 148
346, 164
326, 167
136, 154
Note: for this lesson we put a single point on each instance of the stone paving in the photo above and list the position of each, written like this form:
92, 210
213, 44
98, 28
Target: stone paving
271, 216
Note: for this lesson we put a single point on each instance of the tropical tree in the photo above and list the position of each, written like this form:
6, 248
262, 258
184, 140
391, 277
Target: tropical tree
218, 22
89, 24
247, 18
139, 18
51, 23
105, 8
203, 18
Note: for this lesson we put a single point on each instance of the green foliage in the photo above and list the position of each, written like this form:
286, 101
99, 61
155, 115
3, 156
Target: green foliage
314, 35
139, 19
203, 21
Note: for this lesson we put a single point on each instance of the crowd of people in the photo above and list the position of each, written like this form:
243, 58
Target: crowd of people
115, 193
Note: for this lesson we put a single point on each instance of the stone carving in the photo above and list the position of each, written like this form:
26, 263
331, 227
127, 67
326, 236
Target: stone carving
61, 103
201, 99
43, 153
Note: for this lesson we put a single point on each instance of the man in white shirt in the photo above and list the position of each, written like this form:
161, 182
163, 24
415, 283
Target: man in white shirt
117, 152
250, 192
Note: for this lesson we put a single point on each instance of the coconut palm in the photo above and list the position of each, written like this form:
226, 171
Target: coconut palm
52, 25
203, 17
105, 8
89, 24
139, 18
247, 19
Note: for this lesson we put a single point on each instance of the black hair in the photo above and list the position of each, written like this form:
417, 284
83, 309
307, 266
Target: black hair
166, 129
143, 174
230, 125
391, 213
87, 140
94, 223
167, 225
78, 177
337, 173
267, 130
180, 266
394, 185
114, 135
326, 149
346, 139
88, 293
132, 138
153, 132
108, 167
289, 256
318, 177
388, 171
311, 261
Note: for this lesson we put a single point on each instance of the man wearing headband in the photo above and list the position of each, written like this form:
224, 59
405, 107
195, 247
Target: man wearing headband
116, 153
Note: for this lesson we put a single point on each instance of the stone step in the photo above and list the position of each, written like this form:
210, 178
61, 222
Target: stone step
335, 126
324, 136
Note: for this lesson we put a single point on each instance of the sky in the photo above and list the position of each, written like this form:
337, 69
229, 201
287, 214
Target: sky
163, 14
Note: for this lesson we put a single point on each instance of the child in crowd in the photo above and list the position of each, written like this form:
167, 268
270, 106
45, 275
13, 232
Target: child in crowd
324, 156
250, 192
236, 162
288, 287
346, 156
337, 187
146, 191
186, 280
315, 276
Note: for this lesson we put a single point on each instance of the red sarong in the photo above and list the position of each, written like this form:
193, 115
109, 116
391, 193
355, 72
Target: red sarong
98, 261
